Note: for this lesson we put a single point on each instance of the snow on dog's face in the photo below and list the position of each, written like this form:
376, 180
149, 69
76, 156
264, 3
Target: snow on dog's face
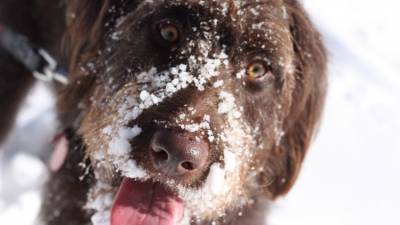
220, 73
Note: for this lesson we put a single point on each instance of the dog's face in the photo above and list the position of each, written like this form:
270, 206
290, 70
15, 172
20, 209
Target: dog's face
198, 108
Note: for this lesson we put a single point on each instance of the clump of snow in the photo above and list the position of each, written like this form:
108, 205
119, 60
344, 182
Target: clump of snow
230, 160
227, 102
119, 145
194, 127
107, 130
218, 84
119, 149
239, 3
216, 180
203, 128
116, 35
100, 200
241, 74
129, 168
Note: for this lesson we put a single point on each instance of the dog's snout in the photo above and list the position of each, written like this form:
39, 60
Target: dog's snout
177, 155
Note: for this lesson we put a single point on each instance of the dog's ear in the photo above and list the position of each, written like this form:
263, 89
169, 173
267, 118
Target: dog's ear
85, 27
87, 24
85, 21
307, 102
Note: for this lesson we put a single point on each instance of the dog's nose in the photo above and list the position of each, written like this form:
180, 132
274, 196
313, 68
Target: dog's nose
176, 154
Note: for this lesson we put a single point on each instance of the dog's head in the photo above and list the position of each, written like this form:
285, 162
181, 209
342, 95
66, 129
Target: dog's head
199, 107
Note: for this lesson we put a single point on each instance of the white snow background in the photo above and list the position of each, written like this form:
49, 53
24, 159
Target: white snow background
351, 175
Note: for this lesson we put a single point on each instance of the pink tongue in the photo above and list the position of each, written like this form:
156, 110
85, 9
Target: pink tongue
145, 203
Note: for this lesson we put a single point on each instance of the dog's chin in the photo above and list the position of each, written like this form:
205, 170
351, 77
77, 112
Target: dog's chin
147, 202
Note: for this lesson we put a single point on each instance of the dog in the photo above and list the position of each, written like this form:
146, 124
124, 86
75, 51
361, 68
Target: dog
176, 112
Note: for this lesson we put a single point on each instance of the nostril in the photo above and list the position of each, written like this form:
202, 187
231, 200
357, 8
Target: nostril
160, 155
188, 166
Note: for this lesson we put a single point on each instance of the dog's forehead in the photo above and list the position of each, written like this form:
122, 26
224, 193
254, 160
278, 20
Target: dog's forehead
261, 24
240, 11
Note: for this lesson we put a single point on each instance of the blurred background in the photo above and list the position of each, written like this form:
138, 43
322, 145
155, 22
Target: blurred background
351, 175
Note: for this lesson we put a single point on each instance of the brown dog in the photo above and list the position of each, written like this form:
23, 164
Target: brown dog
177, 112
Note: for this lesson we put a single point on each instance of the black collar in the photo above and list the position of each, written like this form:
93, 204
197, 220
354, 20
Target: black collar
42, 65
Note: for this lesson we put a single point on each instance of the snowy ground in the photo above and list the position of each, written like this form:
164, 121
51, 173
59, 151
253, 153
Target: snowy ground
21, 173
352, 173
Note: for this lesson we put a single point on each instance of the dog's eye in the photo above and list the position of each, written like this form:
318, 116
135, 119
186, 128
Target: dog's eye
257, 71
169, 32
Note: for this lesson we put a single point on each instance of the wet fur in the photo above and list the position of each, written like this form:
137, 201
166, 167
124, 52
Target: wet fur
84, 35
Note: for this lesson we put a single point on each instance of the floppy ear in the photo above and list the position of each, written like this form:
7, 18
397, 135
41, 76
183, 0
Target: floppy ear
307, 101
85, 27
88, 23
